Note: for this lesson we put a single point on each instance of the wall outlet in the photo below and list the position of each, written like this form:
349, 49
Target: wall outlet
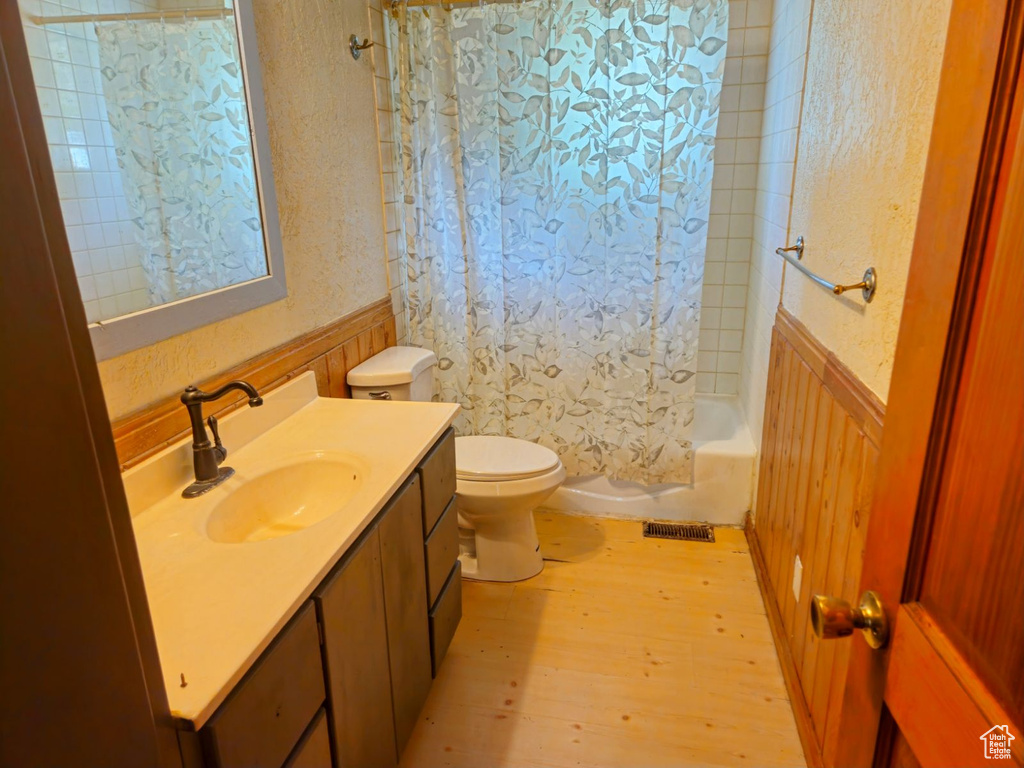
798, 576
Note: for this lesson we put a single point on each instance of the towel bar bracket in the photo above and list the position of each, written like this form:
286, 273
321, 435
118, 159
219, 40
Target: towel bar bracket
867, 285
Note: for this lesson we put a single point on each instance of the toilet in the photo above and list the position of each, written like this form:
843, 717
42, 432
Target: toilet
499, 480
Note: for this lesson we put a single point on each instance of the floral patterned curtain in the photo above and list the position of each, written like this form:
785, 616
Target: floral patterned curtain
557, 163
176, 105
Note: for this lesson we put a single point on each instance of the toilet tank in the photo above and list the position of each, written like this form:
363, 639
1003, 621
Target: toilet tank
397, 373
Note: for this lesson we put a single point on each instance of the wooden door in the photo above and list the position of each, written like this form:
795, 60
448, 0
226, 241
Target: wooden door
350, 605
405, 601
956, 669
79, 669
945, 545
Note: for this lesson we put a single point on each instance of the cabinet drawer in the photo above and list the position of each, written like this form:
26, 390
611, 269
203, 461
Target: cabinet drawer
314, 750
442, 547
437, 476
445, 617
267, 713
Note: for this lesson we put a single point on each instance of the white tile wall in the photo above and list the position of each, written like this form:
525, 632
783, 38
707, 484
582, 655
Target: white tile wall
733, 196
65, 65
779, 133
387, 129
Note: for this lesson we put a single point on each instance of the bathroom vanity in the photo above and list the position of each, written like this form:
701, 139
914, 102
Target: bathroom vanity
307, 638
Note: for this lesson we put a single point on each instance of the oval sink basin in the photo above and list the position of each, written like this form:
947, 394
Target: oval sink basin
285, 500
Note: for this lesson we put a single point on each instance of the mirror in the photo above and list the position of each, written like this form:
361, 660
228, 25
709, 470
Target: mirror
157, 132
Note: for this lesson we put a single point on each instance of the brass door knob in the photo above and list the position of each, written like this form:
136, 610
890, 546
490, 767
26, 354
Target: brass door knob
832, 617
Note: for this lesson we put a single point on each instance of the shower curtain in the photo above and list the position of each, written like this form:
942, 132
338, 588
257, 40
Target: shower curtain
176, 105
557, 158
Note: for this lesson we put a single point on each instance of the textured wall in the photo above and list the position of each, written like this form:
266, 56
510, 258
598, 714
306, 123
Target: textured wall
320, 108
872, 78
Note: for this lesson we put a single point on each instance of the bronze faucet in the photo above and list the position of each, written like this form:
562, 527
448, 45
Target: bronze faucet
206, 456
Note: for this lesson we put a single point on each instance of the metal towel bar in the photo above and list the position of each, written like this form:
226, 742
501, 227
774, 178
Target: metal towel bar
867, 285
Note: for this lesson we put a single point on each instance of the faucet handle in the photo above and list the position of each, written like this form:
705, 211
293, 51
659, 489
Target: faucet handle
211, 422
222, 452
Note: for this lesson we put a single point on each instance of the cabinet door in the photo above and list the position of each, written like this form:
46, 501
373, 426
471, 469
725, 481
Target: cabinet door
405, 600
263, 718
314, 750
350, 604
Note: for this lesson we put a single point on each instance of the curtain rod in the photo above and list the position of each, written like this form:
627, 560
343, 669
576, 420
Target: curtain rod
186, 13
393, 5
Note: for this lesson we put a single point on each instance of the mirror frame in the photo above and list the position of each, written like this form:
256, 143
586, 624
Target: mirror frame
125, 333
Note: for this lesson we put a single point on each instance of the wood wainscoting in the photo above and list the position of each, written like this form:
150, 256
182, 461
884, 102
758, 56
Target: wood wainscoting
330, 352
818, 454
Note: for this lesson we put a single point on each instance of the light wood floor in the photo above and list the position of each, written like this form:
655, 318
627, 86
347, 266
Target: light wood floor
625, 651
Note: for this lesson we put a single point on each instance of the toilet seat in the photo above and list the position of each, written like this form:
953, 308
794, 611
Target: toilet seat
489, 458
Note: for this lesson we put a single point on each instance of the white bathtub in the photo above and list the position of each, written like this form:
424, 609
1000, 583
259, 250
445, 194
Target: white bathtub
723, 477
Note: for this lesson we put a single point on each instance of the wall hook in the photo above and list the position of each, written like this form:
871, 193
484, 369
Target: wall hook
356, 47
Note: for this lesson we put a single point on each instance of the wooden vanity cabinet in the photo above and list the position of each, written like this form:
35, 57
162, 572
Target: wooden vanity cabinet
344, 683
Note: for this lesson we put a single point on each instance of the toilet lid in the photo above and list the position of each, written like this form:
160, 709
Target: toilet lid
485, 457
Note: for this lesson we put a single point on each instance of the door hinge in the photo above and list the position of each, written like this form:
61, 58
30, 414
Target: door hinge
320, 631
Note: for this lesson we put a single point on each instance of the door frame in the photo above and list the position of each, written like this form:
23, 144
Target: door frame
972, 115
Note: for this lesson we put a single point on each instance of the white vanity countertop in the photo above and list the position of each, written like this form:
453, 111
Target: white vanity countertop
216, 607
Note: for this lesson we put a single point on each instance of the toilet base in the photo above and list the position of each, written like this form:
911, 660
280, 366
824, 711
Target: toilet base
497, 536
503, 548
